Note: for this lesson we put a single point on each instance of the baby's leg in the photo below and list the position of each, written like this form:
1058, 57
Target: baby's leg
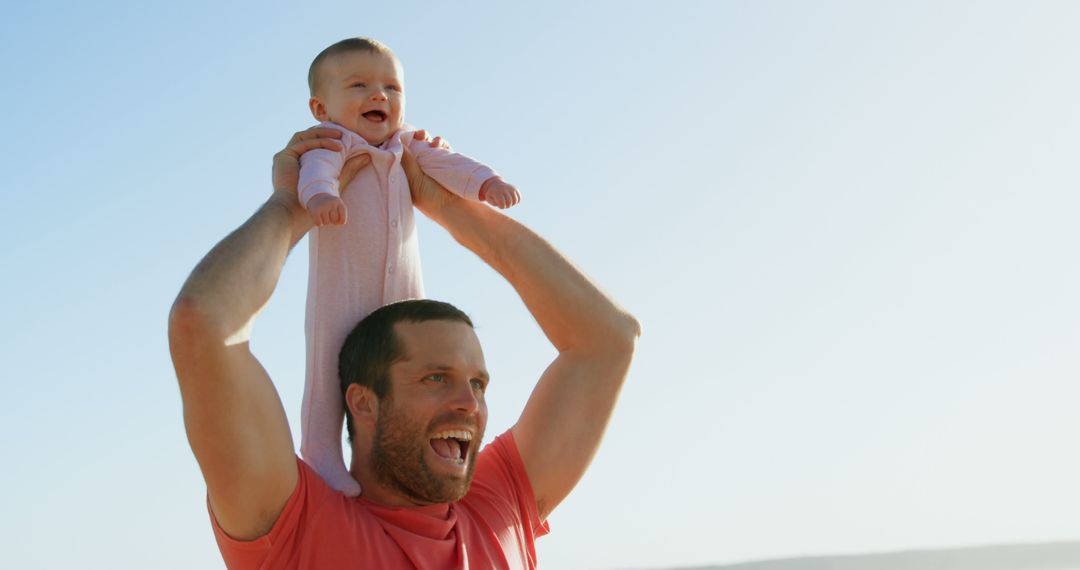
342, 289
322, 412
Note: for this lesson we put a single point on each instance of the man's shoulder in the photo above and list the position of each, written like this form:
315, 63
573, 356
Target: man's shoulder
501, 453
501, 499
500, 486
315, 504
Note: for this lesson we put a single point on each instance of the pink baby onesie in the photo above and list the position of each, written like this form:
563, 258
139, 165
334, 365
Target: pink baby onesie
371, 261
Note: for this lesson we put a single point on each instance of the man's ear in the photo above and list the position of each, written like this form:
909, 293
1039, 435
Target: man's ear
362, 403
318, 110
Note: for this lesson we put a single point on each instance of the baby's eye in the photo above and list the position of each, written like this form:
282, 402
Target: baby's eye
394, 88
358, 84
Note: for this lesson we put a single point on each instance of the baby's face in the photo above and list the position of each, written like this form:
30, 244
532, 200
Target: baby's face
363, 92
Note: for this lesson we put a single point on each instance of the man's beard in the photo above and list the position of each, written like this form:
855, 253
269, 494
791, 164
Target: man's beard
397, 457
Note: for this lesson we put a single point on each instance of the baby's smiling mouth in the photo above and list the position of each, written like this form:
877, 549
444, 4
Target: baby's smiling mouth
375, 116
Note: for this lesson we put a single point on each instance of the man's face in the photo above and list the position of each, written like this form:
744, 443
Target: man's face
430, 425
363, 92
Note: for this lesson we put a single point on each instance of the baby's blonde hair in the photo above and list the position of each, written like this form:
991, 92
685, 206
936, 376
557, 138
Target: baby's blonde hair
369, 45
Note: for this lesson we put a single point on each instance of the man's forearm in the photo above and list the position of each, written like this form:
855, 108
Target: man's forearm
234, 281
572, 311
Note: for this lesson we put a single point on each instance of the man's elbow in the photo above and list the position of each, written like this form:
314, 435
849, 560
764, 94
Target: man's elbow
191, 327
628, 328
633, 327
185, 319
618, 352
623, 335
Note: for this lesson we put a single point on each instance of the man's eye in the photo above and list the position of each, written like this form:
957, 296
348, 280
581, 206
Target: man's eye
478, 385
437, 378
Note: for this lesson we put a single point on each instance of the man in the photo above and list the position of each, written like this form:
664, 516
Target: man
415, 424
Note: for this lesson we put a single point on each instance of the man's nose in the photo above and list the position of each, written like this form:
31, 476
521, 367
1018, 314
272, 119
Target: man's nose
466, 399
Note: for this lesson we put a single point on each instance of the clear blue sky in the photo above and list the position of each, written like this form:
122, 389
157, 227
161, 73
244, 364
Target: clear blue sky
849, 230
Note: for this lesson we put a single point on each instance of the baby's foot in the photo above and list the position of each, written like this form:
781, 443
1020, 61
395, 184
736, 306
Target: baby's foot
333, 471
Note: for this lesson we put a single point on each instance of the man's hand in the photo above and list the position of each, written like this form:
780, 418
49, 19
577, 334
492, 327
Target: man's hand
286, 170
427, 195
499, 193
437, 142
327, 210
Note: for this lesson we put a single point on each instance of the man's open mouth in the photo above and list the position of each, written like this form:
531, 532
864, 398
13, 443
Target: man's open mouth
452, 445
375, 116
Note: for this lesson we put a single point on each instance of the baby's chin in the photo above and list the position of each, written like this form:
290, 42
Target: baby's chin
377, 139
374, 141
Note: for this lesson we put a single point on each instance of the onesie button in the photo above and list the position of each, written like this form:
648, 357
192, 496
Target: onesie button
393, 224
390, 270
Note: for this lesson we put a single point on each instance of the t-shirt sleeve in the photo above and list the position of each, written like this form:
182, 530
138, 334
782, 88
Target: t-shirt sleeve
501, 482
253, 554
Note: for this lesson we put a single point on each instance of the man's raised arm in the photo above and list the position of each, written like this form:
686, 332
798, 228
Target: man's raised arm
562, 425
234, 419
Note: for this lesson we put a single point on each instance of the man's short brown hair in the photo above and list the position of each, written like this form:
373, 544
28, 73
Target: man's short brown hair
369, 45
373, 346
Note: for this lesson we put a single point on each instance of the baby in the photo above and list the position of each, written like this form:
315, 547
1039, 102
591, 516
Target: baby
356, 267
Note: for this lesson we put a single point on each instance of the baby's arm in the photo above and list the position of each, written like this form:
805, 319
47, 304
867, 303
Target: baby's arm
464, 176
318, 187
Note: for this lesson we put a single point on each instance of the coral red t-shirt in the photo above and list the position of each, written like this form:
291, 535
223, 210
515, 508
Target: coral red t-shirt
493, 527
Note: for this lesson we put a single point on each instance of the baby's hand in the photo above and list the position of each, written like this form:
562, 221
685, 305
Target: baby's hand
327, 209
498, 193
